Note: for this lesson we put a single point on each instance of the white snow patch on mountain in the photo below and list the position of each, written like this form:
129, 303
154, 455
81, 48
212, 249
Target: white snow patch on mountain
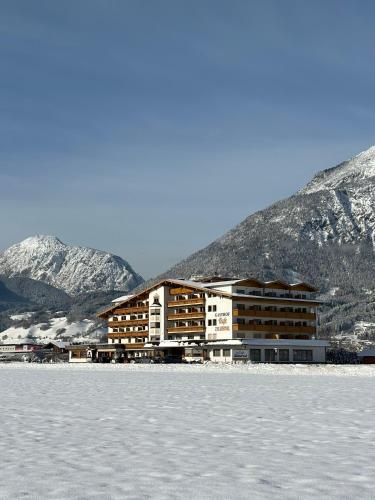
20, 317
71, 268
358, 168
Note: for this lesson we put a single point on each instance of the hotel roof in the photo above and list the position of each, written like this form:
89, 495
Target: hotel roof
210, 288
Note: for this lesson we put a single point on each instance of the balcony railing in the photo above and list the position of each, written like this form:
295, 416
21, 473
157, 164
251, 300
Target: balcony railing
130, 322
187, 302
186, 329
273, 314
311, 330
132, 310
181, 291
115, 335
176, 316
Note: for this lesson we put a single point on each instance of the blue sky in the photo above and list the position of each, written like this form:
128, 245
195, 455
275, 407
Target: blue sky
149, 128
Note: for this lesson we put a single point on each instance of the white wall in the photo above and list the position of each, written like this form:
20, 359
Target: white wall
164, 297
223, 316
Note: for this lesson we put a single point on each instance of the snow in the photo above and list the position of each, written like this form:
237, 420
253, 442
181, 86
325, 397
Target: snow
123, 298
361, 167
362, 327
20, 317
83, 330
70, 268
211, 432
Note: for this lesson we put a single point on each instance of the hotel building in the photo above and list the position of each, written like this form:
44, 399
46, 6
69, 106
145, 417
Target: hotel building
219, 320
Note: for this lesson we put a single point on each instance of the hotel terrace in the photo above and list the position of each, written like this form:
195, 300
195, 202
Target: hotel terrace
215, 319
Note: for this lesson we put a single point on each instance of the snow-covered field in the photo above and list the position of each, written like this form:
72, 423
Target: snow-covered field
84, 330
138, 431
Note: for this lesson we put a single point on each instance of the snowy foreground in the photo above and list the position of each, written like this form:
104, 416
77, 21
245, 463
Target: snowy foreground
138, 431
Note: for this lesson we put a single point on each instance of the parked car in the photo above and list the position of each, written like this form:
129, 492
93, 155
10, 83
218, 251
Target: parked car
143, 360
172, 359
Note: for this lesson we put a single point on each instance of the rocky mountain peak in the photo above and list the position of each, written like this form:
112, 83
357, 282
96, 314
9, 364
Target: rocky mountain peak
72, 269
41, 239
357, 169
325, 234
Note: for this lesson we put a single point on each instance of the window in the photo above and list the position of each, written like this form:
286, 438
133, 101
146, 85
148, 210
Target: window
240, 307
255, 355
209, 308
226, 353
214, 322
209, 322
240, 291
214, 308
216, 353
269, 355
115, 330
115, 318
123, 318
302, 355
283, 355
240, 321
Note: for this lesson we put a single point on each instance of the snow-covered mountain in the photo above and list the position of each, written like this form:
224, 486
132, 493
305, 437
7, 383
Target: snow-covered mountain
325, 234
72, 269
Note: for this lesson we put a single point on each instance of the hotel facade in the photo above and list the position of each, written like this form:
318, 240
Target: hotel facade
216, 319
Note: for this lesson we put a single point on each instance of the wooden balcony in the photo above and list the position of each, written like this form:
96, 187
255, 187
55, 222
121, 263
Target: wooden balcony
279, 301
191, 315
311, 330
274, 314
180, 291
130, 310
187, 302
122, 335
186, 329
130, 322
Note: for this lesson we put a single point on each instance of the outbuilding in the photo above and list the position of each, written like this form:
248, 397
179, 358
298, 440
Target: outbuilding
367, 356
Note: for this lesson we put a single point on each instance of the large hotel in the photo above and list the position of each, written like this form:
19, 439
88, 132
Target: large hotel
216, 319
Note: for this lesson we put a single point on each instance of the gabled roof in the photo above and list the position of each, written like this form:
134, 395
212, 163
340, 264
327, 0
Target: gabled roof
183, 283
254, 282
57, 343
123, 298
366, 352
303, 286
277, 284
207, 288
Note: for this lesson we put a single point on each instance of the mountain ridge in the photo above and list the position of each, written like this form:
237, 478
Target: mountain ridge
73, 269
324, 234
